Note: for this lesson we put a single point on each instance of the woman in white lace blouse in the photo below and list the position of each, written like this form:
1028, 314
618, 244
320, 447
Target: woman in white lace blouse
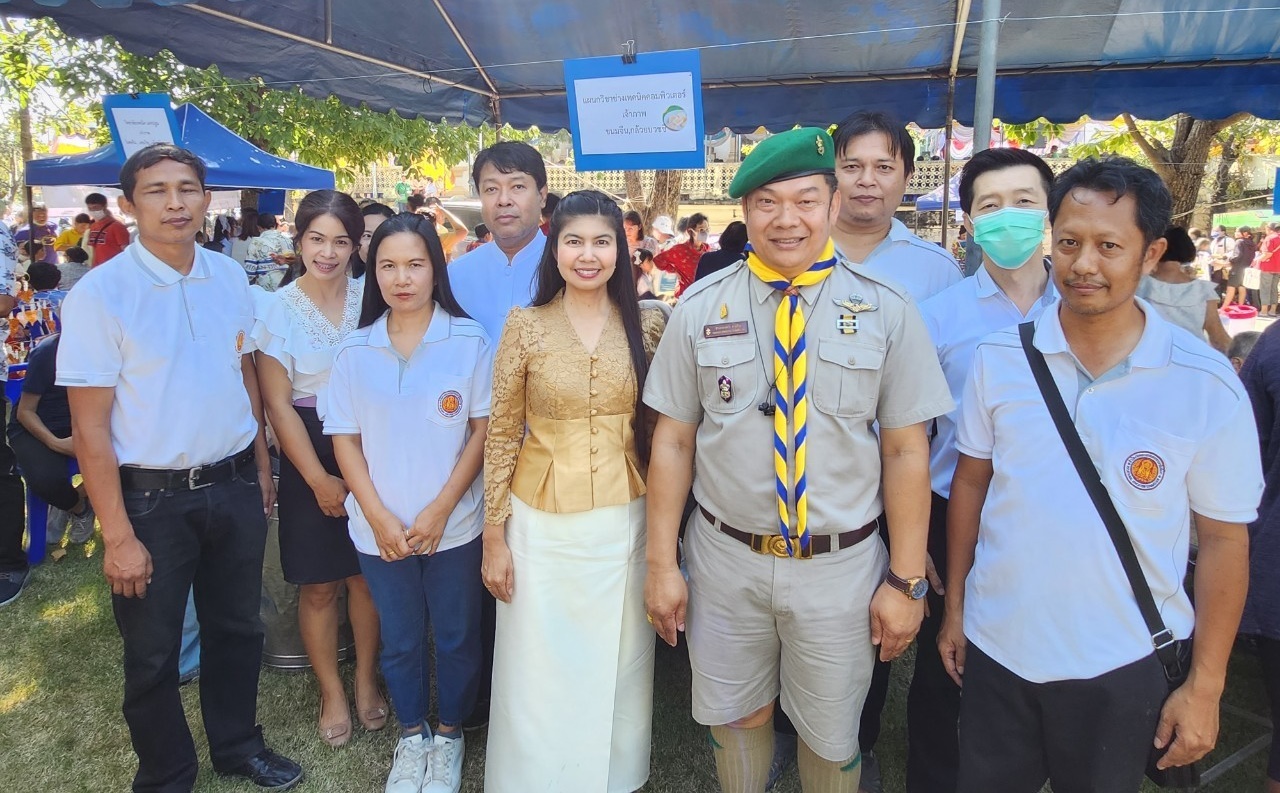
298, 329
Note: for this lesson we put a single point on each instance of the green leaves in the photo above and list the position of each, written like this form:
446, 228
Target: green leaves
36, 55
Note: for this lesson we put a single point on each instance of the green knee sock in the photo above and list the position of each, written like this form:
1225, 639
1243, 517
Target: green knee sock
826, 776
743, 757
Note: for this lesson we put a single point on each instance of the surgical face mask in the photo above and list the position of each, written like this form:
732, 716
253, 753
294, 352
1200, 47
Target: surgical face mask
97, 214
702, 237
1010, 236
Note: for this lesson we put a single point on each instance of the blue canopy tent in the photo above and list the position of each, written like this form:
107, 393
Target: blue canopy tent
232, 162
774, 63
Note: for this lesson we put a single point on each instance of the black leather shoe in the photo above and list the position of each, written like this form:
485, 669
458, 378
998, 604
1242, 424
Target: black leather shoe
268, 770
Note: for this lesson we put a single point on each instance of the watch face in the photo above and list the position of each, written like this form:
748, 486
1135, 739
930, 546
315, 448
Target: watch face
919, 589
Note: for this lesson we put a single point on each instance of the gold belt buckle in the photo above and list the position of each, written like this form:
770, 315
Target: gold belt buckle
778, 546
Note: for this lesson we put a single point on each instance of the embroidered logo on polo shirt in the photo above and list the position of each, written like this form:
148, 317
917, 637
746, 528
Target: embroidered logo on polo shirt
1144, 470
450, 404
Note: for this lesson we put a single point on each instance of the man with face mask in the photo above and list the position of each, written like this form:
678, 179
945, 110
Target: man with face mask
1004, 194
107, 236
682, 258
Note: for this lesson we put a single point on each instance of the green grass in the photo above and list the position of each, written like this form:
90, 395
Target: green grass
61, 728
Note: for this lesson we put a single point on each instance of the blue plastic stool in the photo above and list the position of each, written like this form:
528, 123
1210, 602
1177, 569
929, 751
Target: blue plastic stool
37, 508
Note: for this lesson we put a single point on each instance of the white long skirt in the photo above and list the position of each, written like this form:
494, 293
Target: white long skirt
572, 701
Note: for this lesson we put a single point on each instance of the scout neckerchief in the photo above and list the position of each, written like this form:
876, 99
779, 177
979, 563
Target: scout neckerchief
790, 394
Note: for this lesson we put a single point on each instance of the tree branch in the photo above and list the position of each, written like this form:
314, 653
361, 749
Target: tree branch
1218, 126
1154, 150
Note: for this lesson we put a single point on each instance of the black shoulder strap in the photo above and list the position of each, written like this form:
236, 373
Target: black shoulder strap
1161, 638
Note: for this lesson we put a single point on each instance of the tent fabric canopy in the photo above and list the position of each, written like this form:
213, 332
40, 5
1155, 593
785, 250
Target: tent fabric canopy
772, 63
232, 163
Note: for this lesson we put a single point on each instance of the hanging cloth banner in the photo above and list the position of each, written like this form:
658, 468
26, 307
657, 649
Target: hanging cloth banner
639, 113
139, 120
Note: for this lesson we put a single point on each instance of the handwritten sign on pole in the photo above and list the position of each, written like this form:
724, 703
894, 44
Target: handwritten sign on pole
139, 120
636, 116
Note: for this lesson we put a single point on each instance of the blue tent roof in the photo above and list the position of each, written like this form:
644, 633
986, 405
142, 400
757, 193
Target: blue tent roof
232, 162
764, 62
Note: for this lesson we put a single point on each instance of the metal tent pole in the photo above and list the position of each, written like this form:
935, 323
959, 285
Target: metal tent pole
985, 93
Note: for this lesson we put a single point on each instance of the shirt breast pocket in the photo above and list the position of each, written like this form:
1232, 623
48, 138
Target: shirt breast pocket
449, 402
728, 374
846, 377
1146, 467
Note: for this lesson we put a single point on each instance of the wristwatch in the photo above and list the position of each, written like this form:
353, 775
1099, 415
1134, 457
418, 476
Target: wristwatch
914, 588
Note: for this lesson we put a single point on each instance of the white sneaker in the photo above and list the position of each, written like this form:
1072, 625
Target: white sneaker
446, 765
82, 525
56, 526
409, 768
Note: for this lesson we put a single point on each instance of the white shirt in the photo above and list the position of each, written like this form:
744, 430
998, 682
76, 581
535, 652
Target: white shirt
170, 345
291, 329
488, 286
920, 267
1171, 430
412, 419
958, 318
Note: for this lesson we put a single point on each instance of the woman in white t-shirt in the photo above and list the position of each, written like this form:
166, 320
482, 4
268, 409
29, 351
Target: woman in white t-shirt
298, 329
408, 412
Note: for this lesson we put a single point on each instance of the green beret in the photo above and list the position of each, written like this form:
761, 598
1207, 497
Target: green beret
787, 155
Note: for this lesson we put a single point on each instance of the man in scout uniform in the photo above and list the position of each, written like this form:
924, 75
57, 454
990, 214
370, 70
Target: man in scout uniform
770, 379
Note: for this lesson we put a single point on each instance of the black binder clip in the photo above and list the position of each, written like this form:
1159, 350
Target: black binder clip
629, 51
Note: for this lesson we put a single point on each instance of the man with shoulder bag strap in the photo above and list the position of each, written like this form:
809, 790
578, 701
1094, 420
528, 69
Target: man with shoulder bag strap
1061, 653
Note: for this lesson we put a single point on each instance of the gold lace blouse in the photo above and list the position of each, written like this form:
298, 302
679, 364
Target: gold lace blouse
560, 429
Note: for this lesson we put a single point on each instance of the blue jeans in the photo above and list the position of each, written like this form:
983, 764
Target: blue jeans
444, 587
211, 538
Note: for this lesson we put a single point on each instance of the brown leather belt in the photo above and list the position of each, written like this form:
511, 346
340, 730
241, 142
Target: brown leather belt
776, 545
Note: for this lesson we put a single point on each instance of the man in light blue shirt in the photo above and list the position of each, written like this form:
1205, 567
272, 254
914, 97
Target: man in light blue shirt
512, 182
488, 282
873, 163
1004, 194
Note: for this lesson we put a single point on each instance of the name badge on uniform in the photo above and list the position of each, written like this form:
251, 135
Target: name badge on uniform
847, 324
722, 329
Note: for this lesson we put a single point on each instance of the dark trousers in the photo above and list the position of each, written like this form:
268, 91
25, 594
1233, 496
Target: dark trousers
1081, 736
446, 586
933, 700
45, 471
211, 538
13, 502
1270, 650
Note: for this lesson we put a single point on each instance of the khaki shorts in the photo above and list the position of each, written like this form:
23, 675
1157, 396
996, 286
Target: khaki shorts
761, 625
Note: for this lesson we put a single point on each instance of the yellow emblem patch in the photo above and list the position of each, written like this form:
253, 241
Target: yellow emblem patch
240, 341
822, 148
450, 404
1144, 470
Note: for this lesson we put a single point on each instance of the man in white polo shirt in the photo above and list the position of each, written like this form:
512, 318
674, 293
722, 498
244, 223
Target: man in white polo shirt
1005, 197
167, 424
488, 282
1061, 682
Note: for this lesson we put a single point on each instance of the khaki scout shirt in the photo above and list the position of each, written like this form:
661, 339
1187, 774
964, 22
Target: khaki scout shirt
887, 372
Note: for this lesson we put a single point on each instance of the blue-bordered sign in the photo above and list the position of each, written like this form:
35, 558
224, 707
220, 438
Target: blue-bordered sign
636, 116
139, 120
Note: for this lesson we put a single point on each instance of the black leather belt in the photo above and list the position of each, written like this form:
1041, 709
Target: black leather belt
776, 545
135, 478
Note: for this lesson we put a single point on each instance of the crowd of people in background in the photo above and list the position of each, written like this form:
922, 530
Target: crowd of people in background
524, 448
